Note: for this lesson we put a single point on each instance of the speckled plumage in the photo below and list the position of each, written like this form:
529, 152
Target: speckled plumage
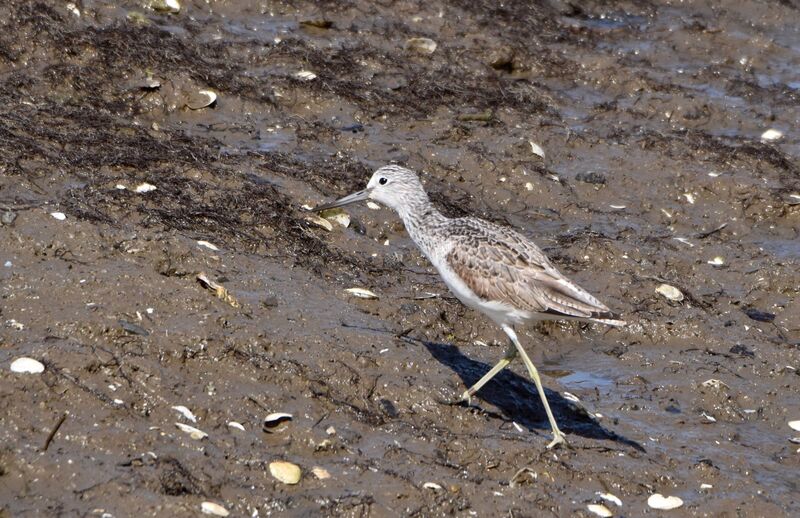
490, 268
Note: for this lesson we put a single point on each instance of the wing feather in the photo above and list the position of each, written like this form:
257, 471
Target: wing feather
501, 265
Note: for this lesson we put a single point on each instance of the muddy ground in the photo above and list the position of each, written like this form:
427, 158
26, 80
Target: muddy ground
650, 117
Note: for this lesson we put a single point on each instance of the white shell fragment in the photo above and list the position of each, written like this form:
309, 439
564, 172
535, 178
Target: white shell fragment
208, 245
537, 149
144, 187
689, 197
286, 472
27, 366
273, 421
193, 432
421, 45
664, 503
432, 485
320, 473
771, 135
794, 425
571, 397
213, 509
372, 205
714, 383
670, 292
167, 6
361, 293
320, 222
185, 412
237, 425
608, 497
305, 75
717, 261
60, 216
600, 510
202, 99
337, 216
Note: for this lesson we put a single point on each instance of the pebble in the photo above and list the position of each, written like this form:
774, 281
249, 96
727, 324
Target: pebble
7, 217
286, 472
670, 292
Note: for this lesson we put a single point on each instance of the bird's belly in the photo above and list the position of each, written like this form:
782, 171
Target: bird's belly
499, 312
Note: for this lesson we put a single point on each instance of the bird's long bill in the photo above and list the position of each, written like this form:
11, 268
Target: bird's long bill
347, 200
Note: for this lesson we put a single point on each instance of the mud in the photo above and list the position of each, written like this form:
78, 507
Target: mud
650, 116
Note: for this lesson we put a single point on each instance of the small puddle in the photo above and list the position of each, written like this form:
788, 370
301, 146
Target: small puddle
580, 379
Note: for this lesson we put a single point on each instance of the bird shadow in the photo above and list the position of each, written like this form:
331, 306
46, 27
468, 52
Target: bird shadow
517, 399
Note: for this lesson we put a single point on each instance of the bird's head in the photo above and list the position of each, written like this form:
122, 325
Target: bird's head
391, 185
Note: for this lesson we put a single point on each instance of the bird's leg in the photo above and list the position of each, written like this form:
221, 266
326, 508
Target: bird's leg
558, 436
510, 354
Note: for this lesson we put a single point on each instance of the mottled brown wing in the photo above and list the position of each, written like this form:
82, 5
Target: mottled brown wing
502, 265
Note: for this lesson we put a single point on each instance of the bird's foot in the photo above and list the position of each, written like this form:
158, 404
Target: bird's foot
559, 440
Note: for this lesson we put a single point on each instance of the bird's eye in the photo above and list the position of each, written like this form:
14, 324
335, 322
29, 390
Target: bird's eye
383, 181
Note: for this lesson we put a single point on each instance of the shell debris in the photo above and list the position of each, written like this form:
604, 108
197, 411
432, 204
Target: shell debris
337, 216
213, 509
235, 424
320, 222
26, 365
771, 135
202, 99
421, 45
670, 292
167, 6
609, 497
305, 75
208, 245
372, 205
794, 425
219, 290
664, 503
285, 472
717, 261
432, 485
185, 412
144, 187
60, 216
194, 433
361, 293
536, 149
320, 473
600, 510
273, 422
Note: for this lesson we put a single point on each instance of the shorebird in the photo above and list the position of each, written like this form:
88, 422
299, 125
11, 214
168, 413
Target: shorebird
488, 267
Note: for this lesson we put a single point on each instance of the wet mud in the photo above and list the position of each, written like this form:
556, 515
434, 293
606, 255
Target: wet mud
655, 172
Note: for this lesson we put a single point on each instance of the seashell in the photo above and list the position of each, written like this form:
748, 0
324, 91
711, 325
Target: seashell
717, 261
167, 6
320, 222
689, 197
286, 472
794, 425
670, 292
361, 293
771, 135
305, 75
237, 425
144, 187
60, 216
599, 510
608, 497
432, 485
421, 45
208, 245
320, 473
664, 503
537, 149
337, 216
186, 413
213, 509
273, 421
27, 366
202, 99
219, 290
372, 205
193, 432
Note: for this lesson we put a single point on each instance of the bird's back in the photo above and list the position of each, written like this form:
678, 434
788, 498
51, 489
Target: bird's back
506, 270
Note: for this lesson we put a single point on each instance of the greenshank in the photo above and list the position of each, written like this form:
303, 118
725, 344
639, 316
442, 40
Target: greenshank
488, 267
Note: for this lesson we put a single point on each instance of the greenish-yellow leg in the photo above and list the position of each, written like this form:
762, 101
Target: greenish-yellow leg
510, 354
558, 436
